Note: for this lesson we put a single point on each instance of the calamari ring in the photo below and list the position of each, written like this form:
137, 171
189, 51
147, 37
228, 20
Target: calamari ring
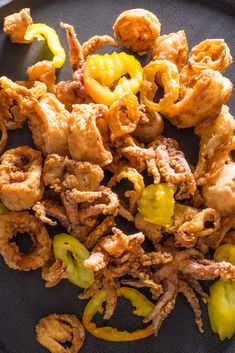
20, 222
210, 54
123, 115
215, 145
173, 47
137, 29
166, 74
201, 100
55, 329
20, 178
137, 180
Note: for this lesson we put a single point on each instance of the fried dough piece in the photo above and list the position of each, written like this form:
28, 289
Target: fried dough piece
150, 125
22, 222
20, 178
15, 25
137, 29
210, 54
43, 71
201, 99
173, 47
219, 193
48, 122
215, 145
86, 141
54, 329
62, 173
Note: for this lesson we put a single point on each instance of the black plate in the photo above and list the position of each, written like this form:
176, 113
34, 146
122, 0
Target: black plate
23, 298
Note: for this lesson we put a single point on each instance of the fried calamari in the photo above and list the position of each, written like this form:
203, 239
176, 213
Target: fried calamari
137, 29
54, 330
219, 192
43, 71
21, 178
15, 25
165, 74
48, 122
88, 133
215, 145
14, 223
201, 99
173, 47
62, 173
210, 54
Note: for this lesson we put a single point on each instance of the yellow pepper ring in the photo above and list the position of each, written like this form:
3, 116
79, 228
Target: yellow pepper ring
225, 252
104, 76
143, 308
41, 30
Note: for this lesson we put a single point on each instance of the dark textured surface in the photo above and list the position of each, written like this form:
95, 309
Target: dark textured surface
23, 298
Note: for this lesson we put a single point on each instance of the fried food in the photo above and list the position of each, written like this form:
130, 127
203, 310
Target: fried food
215, 145
43, 71
137, 29
20, 178
22, 222
16, 100
189, 223
152, 231
173, 167
150, 125
54, 330
165, 74
173, 47
123, 115
138, 183
201, 99
48, 122
210, 54
219, 192
62, 173
4, 135
15, 25
85, 136
95, 43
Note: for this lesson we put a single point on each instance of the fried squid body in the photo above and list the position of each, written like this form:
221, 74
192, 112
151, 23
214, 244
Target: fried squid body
13, 223
210, 54
215, 145
15, 25
165, 74
48, 122
88, 138
54, 330
20, 178
202, 98
173, 47
137, 29
219, 193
